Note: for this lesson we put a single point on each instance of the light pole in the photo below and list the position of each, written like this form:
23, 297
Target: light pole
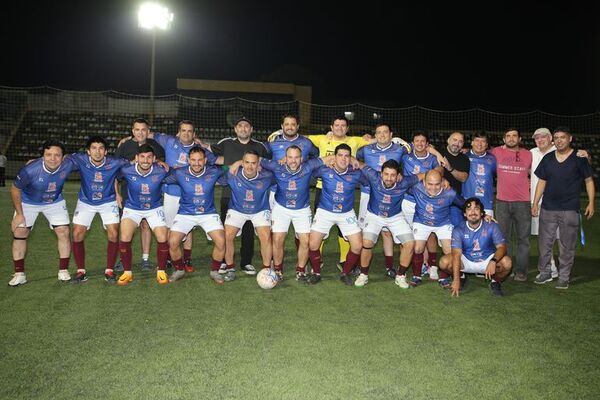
153, 16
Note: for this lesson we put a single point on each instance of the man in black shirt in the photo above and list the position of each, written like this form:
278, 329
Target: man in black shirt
232, 149
456, 170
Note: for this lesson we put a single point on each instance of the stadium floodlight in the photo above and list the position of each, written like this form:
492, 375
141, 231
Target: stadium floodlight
153, 16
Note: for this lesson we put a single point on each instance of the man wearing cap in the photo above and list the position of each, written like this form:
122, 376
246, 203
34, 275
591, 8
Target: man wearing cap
232, 149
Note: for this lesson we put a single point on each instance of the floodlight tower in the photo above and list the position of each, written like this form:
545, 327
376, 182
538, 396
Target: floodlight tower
153, 16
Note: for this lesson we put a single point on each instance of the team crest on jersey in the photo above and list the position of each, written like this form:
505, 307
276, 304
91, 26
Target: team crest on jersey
440, 202
182, 158
198, 189
259, 185
292, 185
145, 189
349, 178
339, 187
63, 175
386, 199
480, 169
51, 187
249, 195
429, 208
154, 179
98, 177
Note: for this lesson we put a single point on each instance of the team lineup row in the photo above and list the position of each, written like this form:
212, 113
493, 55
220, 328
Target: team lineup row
416, 209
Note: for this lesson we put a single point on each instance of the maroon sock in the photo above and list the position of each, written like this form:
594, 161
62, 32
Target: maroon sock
178, 264
19, 265
351, 261
230, 266
364, 270
389, 262
125, 250
497, 278
443, 274
215, 265
162, 254
278, 267
63, 263
187, 254
417, 264
315, 260
300, 269
112, 250
79, 254
432, 259
402, 270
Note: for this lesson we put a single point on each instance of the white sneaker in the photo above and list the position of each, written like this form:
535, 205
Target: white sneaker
401, 281
249, 269
553, 269
63, 275
18, 279
223, 269
362, 280
433, 273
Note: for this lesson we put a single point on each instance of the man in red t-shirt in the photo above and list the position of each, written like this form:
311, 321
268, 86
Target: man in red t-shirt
513, 205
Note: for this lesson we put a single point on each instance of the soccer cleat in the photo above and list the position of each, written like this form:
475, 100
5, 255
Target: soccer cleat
424, 269
216, 276
169, 265
355, 272
80, 277
362, 280
125, 279
63, 275
542, 278
279, 275
444, 283
146, 265
496, 288
401, 281
301, 277
229, 275
390, 273
187, 265
433, 273
249, 269
118, 267
176, 275
161, 277
415, 281
223, 269
18, 279
110, 277
562, 285
314, 279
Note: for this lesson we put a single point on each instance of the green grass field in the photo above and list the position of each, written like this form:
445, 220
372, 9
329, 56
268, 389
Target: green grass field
197, 340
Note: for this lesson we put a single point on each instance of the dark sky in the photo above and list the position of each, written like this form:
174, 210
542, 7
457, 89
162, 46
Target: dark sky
499, 56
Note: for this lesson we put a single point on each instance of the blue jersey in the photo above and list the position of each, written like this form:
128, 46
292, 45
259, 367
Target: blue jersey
338, 188
143, 191
197, 191
412, 165
374, 156
480, 182
39, 186
177, 156
249, 196
386, 202
279, 146
97, 182
477, 244
293, 188
434, 210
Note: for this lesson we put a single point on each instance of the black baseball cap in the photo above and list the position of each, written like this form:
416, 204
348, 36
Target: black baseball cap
240, 119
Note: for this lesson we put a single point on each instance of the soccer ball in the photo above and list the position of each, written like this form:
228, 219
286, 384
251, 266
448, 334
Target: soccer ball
267, 278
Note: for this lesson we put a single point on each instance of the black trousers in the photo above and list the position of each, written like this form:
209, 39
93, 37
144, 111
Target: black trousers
247, 248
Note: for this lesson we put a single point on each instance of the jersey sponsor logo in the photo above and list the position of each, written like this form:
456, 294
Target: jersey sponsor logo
339, 187
290, 203
198, 189
145, 189
476, 246
97, 195
480, 169
382, 159
182, 158
51, 187
249, 195
146, 206
337, 208
429, 208
416, 169
292, 185
98, 177
386, 199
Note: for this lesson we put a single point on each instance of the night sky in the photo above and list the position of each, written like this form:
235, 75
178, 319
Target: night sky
498, 56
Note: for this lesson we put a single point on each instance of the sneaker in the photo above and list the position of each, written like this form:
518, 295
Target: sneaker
433, 273
415, 281
249, 269
63, 275
401, 281
355, 272
444, 283
146, 265
18, 279
187, 265
216, 276
229, 275
424, 269
176, 275
301, 277
125, 279
496, 288
362, 280
543, 278
169, 265
391, 273
314, 279
80, 278
110, 277
553, 269
520, 277
347, 279
279, 275
162, 278
562, 285
118, 267
223, 269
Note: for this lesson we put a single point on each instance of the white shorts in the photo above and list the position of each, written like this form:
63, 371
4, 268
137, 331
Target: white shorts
238, 219
185, 223
362, 208
55, 213
271, 199
474, 267
408, 209
171, 207
155, 216
282, 217
324, 220
85, 213
397, 225
422, 232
